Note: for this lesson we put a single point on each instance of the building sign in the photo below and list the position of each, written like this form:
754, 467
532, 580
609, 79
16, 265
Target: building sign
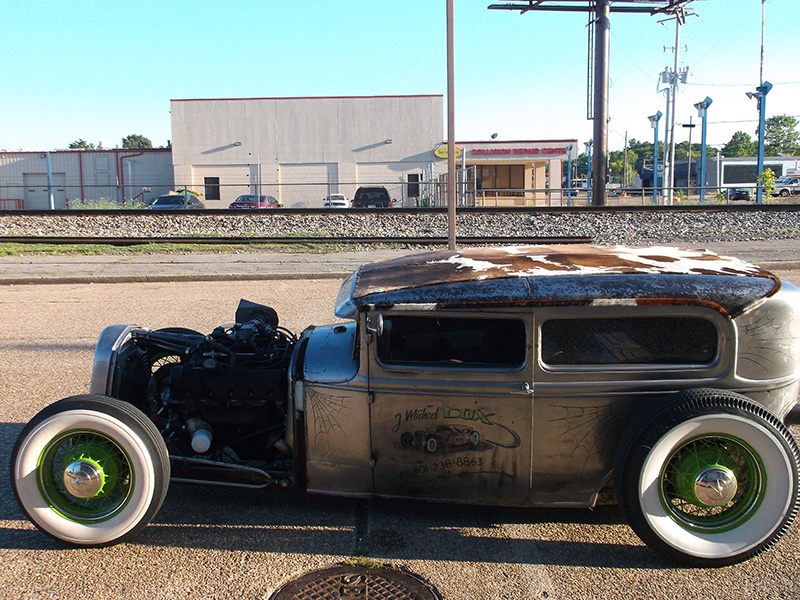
441, 152
515, 151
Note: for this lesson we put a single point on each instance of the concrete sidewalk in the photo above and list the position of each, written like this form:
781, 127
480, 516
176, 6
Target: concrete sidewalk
25, 269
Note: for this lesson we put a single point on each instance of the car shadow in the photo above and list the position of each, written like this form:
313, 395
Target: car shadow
281, 521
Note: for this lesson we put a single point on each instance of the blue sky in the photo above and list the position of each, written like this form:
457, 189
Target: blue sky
103, 70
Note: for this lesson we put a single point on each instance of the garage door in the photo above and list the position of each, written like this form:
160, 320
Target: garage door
37, 196
305, 185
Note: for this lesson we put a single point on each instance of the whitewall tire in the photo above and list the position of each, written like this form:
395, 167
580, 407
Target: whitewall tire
90, 470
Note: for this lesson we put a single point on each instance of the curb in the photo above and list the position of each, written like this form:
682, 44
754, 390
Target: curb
81, 279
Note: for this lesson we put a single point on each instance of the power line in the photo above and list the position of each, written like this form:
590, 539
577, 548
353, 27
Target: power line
741, 84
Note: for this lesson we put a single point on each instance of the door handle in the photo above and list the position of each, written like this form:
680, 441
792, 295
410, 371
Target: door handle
524, 390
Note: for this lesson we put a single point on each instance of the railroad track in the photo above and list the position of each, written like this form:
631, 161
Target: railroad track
416, 241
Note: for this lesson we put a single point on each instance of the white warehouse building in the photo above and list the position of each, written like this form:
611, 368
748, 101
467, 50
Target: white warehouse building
301, 149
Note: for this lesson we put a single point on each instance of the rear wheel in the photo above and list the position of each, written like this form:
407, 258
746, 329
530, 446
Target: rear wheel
710, 478
90, 470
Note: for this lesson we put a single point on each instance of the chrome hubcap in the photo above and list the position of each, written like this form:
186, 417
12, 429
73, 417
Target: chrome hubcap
715, 486
83, 479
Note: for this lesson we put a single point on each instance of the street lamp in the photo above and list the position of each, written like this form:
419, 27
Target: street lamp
760, 95
654, 119
690, 126
702, 109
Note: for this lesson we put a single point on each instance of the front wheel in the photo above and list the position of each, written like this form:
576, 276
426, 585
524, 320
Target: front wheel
710, 479
90, 470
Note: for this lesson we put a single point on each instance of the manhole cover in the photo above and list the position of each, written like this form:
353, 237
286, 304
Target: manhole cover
343, 582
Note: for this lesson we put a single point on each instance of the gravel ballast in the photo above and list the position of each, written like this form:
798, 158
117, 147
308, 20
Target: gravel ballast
604, 226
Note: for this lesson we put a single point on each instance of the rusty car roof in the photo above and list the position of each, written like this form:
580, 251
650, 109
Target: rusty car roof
565, 274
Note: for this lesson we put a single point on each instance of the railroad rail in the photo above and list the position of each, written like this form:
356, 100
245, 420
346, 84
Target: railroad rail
415, 241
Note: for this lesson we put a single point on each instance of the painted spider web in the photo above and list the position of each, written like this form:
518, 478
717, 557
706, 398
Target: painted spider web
326, 411
587, 429
773, 339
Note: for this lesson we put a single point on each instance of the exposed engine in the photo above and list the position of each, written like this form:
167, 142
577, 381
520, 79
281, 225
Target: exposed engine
219, 397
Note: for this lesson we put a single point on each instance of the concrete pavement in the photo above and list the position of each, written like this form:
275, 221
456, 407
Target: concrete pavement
23, 269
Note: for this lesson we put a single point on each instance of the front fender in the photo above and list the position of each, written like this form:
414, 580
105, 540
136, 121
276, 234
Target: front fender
106, 353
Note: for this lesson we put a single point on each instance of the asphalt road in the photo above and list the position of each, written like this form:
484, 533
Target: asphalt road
222, 543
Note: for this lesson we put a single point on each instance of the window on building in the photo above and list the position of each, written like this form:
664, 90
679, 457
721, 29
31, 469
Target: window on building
413, 185
501, 180
212, 188
650, 341
452, 342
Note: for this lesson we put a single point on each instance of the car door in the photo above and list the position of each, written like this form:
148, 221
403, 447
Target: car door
451, 404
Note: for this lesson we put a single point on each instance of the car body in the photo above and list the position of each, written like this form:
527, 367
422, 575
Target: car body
739, 193
788, 185
176, 202
523, 376
255, 201
372, 197
336, 201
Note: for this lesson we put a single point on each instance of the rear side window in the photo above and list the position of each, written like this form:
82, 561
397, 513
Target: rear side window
629, 341
452, 342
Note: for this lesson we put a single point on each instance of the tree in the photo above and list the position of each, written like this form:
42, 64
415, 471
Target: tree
582, 165
781, 135
740, 144
82, 145
136, 142
616, 166
767, 181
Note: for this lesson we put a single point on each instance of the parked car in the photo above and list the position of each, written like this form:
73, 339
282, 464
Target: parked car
372, 197
739, 194
336, 201
788, 185
255, 201
176, 202
545, 376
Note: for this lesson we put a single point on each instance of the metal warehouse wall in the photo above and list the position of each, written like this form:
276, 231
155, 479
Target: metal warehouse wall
83, 175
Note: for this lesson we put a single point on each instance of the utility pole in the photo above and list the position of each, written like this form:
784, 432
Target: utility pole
451, 127
672, 78
761, 63
600, 133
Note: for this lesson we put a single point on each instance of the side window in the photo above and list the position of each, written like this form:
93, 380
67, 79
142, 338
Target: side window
212, 187
413, 185
625, 341
452, 342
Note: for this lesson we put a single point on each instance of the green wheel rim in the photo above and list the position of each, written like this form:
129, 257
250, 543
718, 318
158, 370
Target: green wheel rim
698, 455
106, 456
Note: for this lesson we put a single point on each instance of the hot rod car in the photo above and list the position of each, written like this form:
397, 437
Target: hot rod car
523, 376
